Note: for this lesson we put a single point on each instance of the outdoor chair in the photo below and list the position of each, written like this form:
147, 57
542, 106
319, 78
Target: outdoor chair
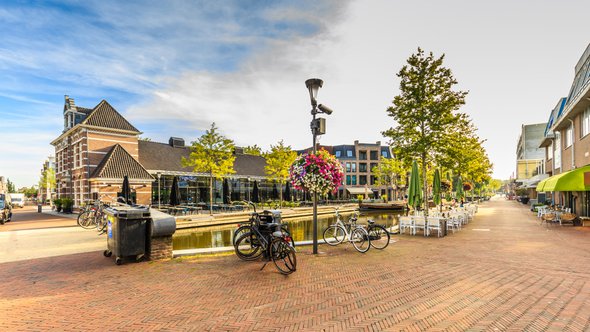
434, 224
418, 222
550, 218
405, 223
567, 218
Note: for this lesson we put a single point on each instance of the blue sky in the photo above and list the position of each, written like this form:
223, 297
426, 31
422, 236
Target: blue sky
173, 67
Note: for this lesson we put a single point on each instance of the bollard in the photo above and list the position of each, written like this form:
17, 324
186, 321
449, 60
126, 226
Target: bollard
39, 208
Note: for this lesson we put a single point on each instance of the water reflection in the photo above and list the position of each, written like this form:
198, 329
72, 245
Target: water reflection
301, 229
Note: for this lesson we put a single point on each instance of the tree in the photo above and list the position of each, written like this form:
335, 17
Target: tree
212, 153
424, 111
390, 172
253, 150
278, 161
10, 186
47, 182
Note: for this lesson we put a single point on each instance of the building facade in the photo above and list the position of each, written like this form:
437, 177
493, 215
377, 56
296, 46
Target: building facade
567, 144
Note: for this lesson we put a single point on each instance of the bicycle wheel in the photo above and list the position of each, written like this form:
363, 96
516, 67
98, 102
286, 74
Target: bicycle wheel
248, 247
334, 235
241, 231
101, 222
360, 239
283, 256
287, 235
379, 237
86, 220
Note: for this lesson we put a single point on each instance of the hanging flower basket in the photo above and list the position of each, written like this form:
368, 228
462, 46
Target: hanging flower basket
467, 186
445, 186
320, 173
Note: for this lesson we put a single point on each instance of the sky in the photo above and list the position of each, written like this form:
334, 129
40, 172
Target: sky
174, 67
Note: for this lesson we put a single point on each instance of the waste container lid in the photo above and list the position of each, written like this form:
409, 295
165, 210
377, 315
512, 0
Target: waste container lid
128, 211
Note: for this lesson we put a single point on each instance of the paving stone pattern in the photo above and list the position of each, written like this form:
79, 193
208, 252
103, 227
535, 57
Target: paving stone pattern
503, 272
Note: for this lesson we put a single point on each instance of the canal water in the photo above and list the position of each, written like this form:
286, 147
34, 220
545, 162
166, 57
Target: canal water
301, 230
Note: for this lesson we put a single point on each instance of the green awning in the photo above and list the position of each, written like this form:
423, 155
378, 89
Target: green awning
541, 185
568, 181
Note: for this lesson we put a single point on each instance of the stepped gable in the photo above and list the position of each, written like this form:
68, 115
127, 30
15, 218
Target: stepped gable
104, 115
118, 163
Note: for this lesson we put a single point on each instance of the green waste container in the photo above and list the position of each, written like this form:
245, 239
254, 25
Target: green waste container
126, 232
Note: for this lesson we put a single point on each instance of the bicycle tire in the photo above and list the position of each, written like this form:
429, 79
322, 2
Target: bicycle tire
101, 222
241, 231
248, 247
86, 220
334, 235
360, 240
379, 237
283, 256
286, 233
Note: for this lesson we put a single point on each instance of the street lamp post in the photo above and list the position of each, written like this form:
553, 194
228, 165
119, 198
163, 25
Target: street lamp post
318, 127
159, 175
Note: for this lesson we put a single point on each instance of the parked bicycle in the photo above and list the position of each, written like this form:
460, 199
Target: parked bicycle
94, 216
267, 240
265, 217
357, 235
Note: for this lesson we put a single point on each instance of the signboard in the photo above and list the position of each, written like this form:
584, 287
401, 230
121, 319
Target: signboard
586, 178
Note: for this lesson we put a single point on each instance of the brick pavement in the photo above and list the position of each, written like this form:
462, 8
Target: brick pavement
516, 276
28, 218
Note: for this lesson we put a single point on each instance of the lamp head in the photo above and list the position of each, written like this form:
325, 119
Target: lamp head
313, 85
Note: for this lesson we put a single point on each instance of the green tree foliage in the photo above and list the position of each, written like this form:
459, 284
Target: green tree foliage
390, 172
10, 186
29, 192
47, 180
424, 111
211, 153
253, 150
278, 161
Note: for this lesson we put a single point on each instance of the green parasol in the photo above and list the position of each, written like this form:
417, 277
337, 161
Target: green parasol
436, 188
415, 189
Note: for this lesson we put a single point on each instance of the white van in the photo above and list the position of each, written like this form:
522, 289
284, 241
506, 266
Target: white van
17, 200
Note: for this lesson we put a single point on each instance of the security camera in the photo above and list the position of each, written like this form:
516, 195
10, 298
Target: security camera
325, 109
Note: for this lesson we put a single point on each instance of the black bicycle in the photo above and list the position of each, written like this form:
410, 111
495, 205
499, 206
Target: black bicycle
378, 234
267, 216
268, 241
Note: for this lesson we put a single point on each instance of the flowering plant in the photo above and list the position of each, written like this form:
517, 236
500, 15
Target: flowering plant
467, 186
317, 173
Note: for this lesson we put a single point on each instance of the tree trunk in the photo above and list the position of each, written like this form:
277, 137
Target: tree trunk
210, 193
425, 182
280, 194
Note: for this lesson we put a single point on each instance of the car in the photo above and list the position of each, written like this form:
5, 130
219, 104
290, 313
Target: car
17, 200
5, 210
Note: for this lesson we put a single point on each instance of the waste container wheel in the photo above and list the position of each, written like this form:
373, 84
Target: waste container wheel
107, 253
118, 261
140, 258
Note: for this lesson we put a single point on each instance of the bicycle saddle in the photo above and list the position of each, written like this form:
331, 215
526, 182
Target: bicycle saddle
371, 221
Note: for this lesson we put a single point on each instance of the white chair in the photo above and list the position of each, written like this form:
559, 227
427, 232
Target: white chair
418, 222
405, 223
434, 223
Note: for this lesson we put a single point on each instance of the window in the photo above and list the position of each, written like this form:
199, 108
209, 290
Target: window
586, 122
384, 153
349, 153
373, 166
362, 180
362, 155
353, 167
549, 152
354, 180
347, 167
338, 153
569, 137
348, 182
372, 180
374, 155
363, 167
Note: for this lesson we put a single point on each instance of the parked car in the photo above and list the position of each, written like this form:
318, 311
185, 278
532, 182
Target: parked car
5, 210
17, 200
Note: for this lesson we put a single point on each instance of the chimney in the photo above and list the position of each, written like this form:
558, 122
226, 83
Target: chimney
176, 142
238, 150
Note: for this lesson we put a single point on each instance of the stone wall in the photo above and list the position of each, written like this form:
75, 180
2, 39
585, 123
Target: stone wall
160, 248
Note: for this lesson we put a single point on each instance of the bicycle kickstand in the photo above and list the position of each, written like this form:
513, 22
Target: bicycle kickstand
263, 266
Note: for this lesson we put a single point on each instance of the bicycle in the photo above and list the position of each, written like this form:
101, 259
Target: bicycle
269, 241
86, 217
267, 216
357, 235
